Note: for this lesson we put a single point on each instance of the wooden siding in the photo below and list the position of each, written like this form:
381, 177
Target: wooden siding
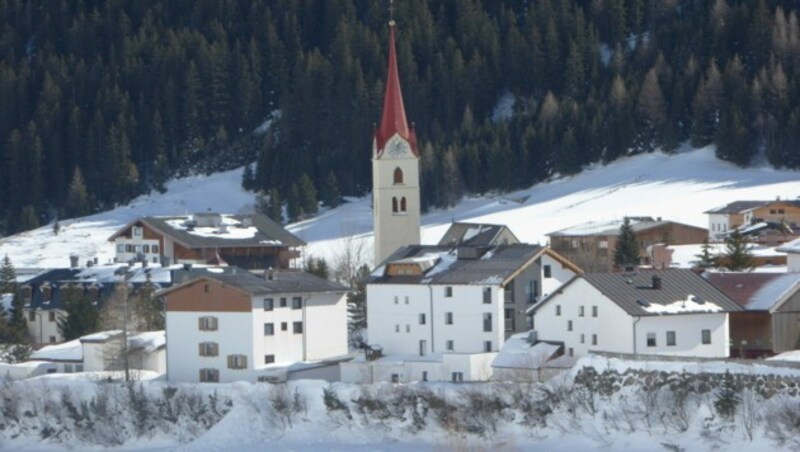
786, 325
753, 327
208, 296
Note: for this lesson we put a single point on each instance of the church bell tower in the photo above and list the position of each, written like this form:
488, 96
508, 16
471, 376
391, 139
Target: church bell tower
395, 170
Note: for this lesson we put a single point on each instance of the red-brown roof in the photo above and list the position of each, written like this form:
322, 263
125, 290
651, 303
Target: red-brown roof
393, 119
754, 291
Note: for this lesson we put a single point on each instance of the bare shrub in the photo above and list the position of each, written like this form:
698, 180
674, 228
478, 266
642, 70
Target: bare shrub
285, 404
337, 410
782, 421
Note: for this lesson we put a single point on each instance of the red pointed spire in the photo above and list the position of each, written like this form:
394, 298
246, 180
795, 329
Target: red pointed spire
393, 119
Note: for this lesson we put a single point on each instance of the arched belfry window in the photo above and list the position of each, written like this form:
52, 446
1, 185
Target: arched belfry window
398, 176
403, 204
394, 205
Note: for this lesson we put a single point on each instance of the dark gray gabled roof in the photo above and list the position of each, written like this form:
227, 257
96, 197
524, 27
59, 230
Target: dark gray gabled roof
612, 228
282, 282
634, 292
476, 234
268, 233
496, 265
737, 207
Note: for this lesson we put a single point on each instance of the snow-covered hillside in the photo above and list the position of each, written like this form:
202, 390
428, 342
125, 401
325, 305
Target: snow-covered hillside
679, 187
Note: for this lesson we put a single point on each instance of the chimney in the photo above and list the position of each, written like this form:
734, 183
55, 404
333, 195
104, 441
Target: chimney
269, 274
187, 266
73, 260
656, 282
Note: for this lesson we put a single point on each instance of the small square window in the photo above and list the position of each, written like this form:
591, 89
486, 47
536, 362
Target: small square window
448, 318
283, 302
594, 339
396, 328
706, 336
269, 329
284, 326
487, 295
458, 377
408, 328
297, 303
424, 375
52, 339
487, 322
571, 352
558, 309
269, 304
396, 300
406, 300
395, 378
422, 319
583, 339
297, 327
487, 346
269, 359
594, 311
449, 346
448, 291
569, 325
670, 338
651, 339
580, 311
548, 272
31, 315
207, 288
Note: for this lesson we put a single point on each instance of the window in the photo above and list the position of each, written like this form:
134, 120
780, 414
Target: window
137, 231
594, 311
602, 244
487, 346
569, 325
487, 295
207, 323
269, 304
448, 318
487, 322
394, 205
269, 329
449, 346
145, 249
297, 327
120, 248
398, 176
422, 319
154, 249
396, 300
571, 352
448, 291
558, 310
284, 326
78, 367
408, 328
582, 338
129, 248
458, 377
208, 349
52, 339
548, 273
651, 339
68, 368
406, 300
206, 288
209, 375
237, 361
297, 303
397, 328
269, 359
403, 204
424, 375
31, 315
283, 302
706, 336
395, 378
580, 311
423, 347
670, 338
594, 339
532, 291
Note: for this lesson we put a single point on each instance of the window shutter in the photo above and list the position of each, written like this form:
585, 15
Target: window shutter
200, 349
200, 323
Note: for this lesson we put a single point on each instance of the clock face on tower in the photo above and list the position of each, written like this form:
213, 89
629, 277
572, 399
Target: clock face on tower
397, 148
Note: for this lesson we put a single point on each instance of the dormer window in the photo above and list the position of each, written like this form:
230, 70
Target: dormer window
398, 176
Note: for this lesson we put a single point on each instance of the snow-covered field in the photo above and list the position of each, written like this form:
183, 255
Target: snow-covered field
678, 187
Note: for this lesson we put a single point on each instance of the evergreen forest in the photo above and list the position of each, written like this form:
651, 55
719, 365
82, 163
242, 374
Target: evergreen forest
103, 100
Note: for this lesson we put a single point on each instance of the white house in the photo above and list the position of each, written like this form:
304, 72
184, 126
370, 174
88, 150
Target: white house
792, 250
98, 352
442, 313
665, 312
240, 326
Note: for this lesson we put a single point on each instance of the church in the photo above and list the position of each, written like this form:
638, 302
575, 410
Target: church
395, 170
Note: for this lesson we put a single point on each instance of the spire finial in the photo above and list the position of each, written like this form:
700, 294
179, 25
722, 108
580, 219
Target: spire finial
391, 13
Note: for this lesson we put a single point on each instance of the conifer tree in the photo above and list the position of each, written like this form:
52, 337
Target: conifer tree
318, 267
705, 258
294, 207
148, 309
82, 316
331, 196
17, 328
307, 195
357, 306
727, 397
737, 255
275, 206
626, 253
77, 197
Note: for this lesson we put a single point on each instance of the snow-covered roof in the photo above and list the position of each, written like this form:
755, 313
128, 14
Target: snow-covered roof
101, 336
67, 351
691, 304
518, 353
792, 247
755, 291
149, 341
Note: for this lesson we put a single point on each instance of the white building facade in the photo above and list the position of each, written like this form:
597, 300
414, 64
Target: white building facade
591, 314
243, 327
